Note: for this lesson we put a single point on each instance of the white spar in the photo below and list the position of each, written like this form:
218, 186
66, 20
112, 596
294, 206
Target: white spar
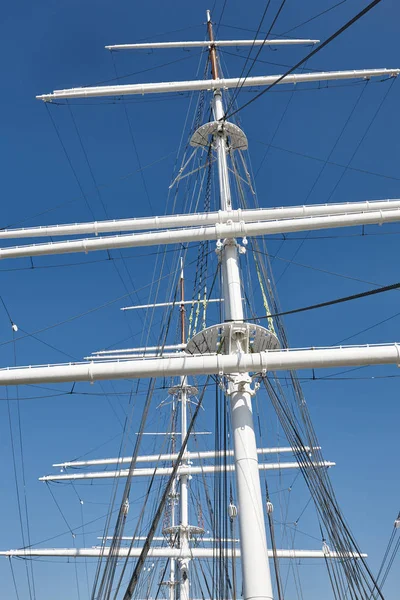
208, 218
198, 234
212, 84
186, 470
174, 456
217, 43
273, 360
168, 552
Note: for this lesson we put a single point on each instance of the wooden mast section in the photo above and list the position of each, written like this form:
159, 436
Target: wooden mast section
213, 50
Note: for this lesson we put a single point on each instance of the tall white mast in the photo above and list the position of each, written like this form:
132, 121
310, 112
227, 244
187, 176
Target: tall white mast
254, 556
224, 349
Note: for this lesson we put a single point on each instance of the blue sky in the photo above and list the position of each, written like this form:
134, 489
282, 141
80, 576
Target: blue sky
49, 46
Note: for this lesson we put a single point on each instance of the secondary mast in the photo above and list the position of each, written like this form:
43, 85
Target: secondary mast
182, 532
253, 543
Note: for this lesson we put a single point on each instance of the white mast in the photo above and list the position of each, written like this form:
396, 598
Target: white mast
253, 543
237, 358
184, 505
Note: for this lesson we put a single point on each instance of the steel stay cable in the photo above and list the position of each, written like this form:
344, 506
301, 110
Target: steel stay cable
139, 564
319, 175
241, 83
309, 470
335, 164
235, 91
293, 28
380, 290
152, 480
319, 270
344, 27
324, 12
125, 497
80, 315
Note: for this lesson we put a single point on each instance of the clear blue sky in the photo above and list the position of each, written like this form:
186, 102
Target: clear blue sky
48, 46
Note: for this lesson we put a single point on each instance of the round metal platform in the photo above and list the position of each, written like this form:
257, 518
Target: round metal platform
236, 138
192, 530
223, 339
190, 390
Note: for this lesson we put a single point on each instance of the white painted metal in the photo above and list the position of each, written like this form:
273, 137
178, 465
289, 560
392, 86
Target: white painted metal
210, 84
171, 552
128, 356
158, 304
183, 471
162, 457
197, 234
218, 43
273, 360
142, 349
256, 575
160, 538
210, 218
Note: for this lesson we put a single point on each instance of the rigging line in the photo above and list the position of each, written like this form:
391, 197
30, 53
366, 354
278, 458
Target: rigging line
123, 443
303, 511
60, 511
320, 487
233, 95
86, 158
380, 290
339, 137
157, 35
133, 141
146, 546
166, 64
220, 17
363, 138
391, 560
275, 131
47, 344
325, 43
104, 209
367, 329
324, 237
275, 256
74, 317
265, 62
43, 212
69, 161
289, 30
14, 461
100, 185
391, 540
334, 145
21, 449
324, 12
13, 577
111, 560
100, 260
7, 312
335, 164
